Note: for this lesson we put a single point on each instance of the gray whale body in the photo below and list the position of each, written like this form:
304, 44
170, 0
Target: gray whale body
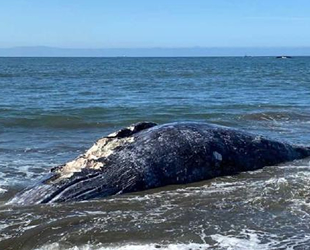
147, 155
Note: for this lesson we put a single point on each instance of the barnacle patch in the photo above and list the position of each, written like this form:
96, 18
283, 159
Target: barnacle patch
103, 148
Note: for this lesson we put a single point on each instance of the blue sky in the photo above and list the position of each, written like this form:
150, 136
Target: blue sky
156, 23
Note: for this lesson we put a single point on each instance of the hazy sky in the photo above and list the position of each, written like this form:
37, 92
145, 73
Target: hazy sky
154, 23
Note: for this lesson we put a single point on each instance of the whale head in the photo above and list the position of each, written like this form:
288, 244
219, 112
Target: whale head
85, 177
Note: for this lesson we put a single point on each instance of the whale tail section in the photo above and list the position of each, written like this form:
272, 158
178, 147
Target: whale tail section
303, 151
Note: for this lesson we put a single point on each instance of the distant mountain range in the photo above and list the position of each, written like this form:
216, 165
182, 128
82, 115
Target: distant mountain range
43, 51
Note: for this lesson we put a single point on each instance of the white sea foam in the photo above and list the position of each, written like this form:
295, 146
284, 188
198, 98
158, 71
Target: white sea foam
230, 242
2, 190
190, 246
246, 239
250, 240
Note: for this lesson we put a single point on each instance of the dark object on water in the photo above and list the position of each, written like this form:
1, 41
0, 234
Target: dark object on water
146, 155
283, 57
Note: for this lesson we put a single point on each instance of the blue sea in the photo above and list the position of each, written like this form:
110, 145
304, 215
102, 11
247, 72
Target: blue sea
53, 109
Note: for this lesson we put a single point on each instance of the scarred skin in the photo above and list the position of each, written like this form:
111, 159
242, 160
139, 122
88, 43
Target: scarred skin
147, 155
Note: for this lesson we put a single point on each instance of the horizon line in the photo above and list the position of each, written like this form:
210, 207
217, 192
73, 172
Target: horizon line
47, 51
163, 47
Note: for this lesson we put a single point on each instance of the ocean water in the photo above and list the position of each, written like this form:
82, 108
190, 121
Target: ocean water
53, 109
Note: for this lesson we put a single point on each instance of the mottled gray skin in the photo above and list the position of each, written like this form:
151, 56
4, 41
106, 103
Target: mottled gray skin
175, 153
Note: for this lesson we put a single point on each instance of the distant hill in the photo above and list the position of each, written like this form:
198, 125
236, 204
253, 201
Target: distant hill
42, 51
